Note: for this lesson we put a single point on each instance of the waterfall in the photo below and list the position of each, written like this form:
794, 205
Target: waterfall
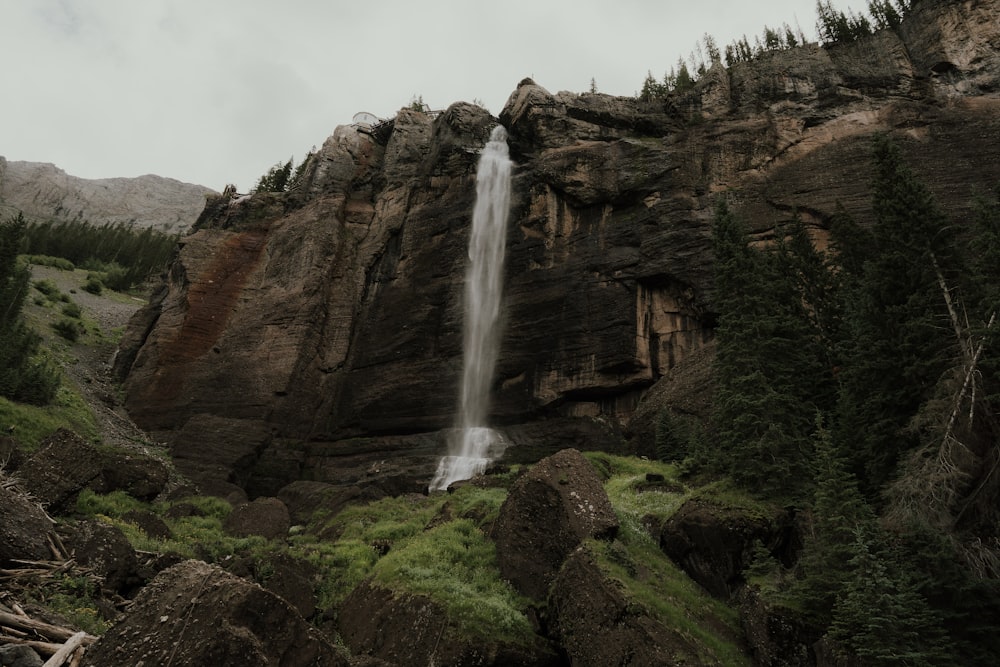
474, 444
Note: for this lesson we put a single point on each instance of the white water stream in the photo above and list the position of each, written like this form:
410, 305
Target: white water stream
474, 444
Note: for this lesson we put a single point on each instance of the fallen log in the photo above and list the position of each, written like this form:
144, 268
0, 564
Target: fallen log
46, 630
67, 650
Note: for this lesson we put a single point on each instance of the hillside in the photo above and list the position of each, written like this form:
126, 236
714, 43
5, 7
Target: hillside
45, 192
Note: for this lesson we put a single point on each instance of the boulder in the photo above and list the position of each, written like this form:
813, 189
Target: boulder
63, 465
142, 477
198, 614
106, 551
403, 629
266, 517
24, 525
548, 512
303, 498
19, 655
713, 543
597, 625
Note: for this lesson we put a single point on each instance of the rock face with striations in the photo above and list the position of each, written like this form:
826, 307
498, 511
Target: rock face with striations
45, 192
316, 334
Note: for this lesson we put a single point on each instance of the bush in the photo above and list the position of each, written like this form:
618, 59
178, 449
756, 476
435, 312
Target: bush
47, 260
68, 329
93, 284
48, 288
73, 310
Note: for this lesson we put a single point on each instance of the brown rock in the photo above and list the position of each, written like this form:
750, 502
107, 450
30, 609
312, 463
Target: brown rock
142, 477
267, 517
404, 629
713, 544
106, 551
197, 614
597, 625
547, 513
303, 498
24, 525
63, 465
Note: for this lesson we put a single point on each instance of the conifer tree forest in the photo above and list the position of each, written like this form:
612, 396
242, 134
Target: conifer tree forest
863, 383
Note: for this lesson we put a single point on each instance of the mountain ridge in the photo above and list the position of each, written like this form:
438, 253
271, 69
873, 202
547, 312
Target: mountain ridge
43, 191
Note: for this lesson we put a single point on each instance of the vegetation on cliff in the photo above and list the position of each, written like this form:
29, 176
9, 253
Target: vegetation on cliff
875, 369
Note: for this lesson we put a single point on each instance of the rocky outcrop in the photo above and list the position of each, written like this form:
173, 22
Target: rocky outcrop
551, 509
598, 624
197, 614
714, 543
65, 464
45, 192
403, 629
317, 332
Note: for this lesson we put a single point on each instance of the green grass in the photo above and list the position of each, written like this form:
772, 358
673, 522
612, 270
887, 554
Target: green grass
455, 565
200, 537
32, 424
646, 576
668, 595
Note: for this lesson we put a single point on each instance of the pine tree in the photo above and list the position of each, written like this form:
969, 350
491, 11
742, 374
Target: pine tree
881, 616
837, 512
767, 364
893, 315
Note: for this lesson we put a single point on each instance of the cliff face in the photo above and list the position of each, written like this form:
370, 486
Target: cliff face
317, 333
44, 192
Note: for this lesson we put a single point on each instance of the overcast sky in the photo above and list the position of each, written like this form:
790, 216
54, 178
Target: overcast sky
217, 91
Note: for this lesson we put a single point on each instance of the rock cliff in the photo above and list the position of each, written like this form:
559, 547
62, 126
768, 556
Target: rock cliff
45, 192
316, 334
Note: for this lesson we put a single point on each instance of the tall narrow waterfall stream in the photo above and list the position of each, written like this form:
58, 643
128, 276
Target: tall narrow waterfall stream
474, 445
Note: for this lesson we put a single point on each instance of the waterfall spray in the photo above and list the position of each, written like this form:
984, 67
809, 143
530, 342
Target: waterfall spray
475, 444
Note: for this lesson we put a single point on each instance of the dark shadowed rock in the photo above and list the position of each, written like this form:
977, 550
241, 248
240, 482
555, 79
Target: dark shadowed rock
404, 629
197, 614
149, 523
776, 635
597, 625
713, 543
142, 477
267, 517
547, 513
63, 465
24, 525
290, 578
19, 655
303, 498
106, 551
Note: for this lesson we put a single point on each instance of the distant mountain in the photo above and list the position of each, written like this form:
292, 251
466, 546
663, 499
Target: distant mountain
43, 191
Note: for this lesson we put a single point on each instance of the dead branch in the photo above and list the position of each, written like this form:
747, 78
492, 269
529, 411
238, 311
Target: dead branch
41, 628
67, 650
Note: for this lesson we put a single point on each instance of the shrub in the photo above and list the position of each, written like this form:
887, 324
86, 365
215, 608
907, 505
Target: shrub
93, 284
48, 288
68, 329
73, 310
47, 260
